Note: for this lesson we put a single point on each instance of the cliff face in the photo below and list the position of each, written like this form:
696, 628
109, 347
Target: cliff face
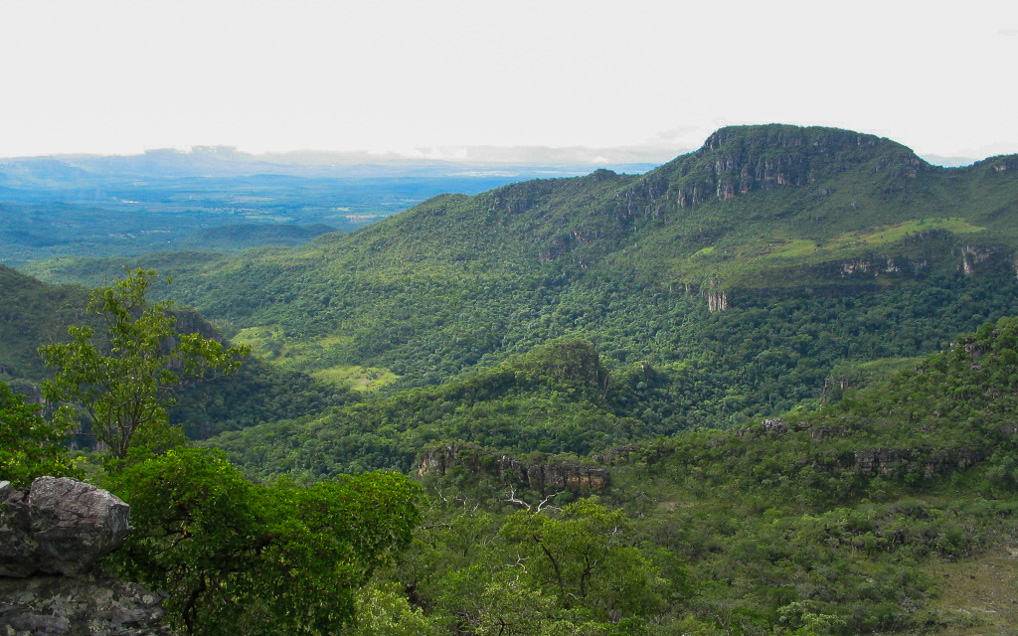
739, 159
538, 476
51, 538
917, 460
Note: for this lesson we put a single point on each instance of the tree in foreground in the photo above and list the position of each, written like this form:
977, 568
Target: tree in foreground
123, 378
240, 557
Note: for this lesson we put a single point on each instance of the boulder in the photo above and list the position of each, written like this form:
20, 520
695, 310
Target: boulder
60, 526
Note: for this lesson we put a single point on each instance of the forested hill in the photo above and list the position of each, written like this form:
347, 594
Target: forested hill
743, 271
33, 313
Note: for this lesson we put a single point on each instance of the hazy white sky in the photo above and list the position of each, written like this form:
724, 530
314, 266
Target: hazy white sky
107, 76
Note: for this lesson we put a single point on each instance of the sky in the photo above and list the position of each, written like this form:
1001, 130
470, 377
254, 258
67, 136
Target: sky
430, 77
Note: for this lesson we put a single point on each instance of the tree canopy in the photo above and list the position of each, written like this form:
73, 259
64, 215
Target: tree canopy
258, 559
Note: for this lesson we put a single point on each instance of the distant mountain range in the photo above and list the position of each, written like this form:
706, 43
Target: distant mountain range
166, 200
225, 161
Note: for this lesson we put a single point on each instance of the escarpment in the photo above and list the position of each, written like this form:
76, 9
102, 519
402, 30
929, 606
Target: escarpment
542, 477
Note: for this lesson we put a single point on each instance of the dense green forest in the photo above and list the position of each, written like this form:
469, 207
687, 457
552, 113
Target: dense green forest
741, 253
766, 388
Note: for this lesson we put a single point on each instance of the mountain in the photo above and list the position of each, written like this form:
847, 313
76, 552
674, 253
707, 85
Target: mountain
768, 387
226, 162
743, 272
168, 200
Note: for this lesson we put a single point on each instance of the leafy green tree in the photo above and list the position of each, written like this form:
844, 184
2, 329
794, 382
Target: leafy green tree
586, 558
247, 558
383, 609
30, 446
123, 379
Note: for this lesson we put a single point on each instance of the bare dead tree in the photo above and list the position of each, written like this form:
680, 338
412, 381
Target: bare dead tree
513, 499
544, 502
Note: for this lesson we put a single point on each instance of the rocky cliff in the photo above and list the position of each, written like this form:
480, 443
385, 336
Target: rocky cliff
543, 477
51, 539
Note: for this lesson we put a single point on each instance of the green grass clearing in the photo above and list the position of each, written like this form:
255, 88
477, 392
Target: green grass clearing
356, 378
797, 248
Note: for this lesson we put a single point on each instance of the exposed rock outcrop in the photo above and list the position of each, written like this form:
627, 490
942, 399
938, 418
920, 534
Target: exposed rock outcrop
743, 159
974, 255
94, 604
51, 538
896, 462
60, 526
716, 300
539, 476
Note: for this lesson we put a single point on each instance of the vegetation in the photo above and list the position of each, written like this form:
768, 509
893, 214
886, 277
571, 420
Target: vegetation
847, 247
831, 521
123, 383
552, 400
37, 314
30, 445
258, 559
767, 388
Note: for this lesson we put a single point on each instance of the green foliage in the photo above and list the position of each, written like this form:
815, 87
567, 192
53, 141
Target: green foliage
257, 559
30, 446
569, 316
32, 313
123, 382
831, 246
830, 521
575, 570
549, 400
698, 369
35, 313
384, 610
257, 392
585, 556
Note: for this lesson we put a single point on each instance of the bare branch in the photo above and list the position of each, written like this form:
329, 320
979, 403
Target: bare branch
512, 498
544, 501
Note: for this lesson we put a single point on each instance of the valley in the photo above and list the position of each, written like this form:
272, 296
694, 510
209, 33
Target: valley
766, 387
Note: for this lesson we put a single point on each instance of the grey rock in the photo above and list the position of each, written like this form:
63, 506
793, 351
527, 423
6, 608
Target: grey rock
50, 539
94, 604
60, 526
